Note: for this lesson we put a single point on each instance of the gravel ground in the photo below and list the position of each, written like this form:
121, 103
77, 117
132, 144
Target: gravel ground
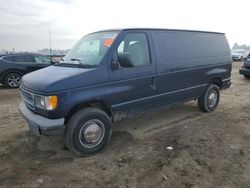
209, 150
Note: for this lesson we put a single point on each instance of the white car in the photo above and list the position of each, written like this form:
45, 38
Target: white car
237, 56
246, 55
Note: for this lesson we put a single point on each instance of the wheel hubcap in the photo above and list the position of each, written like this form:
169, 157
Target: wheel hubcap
14, 81
212, 99
91, 133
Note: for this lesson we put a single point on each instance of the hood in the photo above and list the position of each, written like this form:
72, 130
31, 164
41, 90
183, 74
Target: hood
58, 78
236, 54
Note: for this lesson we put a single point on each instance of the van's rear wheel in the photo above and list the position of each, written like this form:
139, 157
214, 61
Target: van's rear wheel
88, 131
210, 99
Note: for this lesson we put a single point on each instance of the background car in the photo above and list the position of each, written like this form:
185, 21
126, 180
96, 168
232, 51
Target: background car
14, 66
246, 55
237, 55
245, 68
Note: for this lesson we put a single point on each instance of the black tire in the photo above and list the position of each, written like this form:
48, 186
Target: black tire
12, 80
246, 76
79, 123
209, 100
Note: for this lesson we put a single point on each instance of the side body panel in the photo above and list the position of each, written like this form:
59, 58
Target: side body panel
187, 62
6, 67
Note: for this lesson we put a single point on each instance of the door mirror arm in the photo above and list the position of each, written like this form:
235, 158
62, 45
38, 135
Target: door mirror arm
115, 62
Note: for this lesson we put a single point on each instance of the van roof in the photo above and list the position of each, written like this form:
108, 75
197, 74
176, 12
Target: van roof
161, 29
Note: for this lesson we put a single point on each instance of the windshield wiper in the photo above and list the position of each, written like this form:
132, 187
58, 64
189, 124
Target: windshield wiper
69, 64
88, 65
75, 59
85, 65
80, 65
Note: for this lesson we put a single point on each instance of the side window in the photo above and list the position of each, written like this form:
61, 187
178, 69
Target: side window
120, 49
133, 51
23, 58
18, 58
28, 58
42, 60
8, 58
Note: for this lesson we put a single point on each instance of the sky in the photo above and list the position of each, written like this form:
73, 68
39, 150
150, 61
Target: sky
24, 24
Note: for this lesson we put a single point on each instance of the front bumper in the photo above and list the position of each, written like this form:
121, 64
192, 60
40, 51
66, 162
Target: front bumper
236, 58
244, 71
40, 125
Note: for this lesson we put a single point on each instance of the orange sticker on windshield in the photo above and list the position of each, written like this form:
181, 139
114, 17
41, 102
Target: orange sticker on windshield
108, 42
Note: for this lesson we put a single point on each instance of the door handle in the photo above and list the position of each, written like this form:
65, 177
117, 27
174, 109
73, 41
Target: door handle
152, 85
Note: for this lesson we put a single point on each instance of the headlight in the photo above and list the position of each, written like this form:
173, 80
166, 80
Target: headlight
47, 103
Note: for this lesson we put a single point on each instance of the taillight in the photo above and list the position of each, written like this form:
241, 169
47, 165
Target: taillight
243, 65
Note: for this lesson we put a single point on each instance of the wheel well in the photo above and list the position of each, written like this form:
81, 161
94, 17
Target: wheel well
216, 81
11, 71
97, 104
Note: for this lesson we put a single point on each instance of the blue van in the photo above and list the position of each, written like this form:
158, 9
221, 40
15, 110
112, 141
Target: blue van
115, 74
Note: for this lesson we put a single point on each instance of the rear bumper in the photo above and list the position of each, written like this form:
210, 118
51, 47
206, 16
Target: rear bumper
244, 71
40, 125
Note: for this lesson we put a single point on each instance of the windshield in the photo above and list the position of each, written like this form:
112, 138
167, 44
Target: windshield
238, 52
90, 49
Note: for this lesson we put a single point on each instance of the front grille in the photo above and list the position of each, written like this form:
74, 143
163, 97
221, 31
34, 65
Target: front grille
28, 98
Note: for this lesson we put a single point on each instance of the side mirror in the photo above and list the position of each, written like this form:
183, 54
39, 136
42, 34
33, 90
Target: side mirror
125, 60
115, 63
54, 61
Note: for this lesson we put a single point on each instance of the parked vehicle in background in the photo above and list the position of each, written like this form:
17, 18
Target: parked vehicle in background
246, 55
116, 74
13, 66
237, 55
245, 68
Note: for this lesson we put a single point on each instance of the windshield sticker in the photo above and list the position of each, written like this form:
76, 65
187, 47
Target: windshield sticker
108, 42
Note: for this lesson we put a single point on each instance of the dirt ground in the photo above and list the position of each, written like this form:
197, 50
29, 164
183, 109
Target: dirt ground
209, 150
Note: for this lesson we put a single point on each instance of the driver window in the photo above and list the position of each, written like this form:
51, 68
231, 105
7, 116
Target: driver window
133, 51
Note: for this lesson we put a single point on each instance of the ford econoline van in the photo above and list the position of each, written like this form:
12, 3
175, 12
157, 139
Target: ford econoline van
115, 74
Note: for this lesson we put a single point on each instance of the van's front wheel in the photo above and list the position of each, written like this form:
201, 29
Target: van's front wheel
210, 99
88, 131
